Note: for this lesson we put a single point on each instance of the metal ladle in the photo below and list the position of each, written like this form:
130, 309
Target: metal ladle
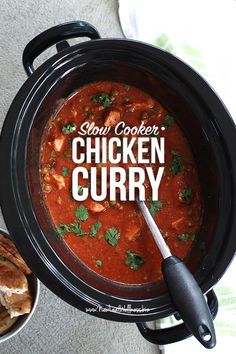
183, 288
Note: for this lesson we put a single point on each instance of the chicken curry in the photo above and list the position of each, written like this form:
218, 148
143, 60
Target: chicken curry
110, 236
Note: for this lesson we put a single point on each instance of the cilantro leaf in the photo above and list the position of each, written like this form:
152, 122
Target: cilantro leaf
185, 237
80, 190
99, 263
134, 260
167, 121
69, 128
186, 195
74, 227
62, 229
81, 213
112, 236
176, 163
153, 135
65, 171
95, 228
120, 149
102, 98
155, 206
66, 153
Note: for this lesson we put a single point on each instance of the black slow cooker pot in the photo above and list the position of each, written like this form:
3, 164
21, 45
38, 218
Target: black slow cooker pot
208, 128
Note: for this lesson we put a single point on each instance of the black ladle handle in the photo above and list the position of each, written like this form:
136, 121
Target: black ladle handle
189, 300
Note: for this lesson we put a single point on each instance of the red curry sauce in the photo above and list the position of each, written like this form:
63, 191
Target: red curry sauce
134, 257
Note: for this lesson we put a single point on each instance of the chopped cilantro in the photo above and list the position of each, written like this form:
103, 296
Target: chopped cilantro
53, 152
2, 258
65, 171
120, 149
112, 236
186, 195
80, 190
134, 260
155, 206
153, 109
81, 213
185, 237
182, 238
66, 153
69, 128
74, 227
99, 263
135, 213
95, 228
102, 98
62, 229
176, 163
153, 135
53, 161
167, 121
127, 87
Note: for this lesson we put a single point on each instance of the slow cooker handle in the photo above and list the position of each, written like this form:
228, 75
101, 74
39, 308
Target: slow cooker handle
176, 333
56, 35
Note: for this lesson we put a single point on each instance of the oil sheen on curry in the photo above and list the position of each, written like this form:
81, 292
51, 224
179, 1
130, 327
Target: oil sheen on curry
111, 237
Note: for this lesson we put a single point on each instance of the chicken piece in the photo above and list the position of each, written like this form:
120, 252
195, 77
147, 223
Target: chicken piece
134, 227
60, 181
74, 112
149, 103
9, 251
47, 188
45, 174
112, 118
133, 231
49, 175
59, 200
179, 223
58, 143
96, 207
97, 109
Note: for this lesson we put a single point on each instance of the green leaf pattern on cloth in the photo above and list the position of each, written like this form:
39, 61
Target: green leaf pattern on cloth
225, 319
192, 55
164, 42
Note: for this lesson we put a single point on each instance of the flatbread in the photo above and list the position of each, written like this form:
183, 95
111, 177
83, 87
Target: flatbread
6, 322
12, 280
17, 304
9, 250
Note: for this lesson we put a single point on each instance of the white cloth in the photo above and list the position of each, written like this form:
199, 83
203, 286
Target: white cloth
203, 34
200, 32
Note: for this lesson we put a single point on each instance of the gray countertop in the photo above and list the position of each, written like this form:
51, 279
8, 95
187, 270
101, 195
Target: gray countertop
57, 327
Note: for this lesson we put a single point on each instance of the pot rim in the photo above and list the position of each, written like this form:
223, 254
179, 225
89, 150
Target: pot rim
24, 99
